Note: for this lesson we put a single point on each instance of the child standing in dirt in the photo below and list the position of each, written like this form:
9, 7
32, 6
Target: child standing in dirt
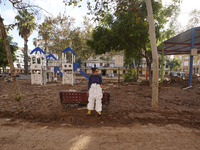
95, 92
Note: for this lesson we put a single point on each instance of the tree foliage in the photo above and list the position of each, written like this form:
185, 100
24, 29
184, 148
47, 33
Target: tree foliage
45, 31
99, 8
127, 29
176, 62
13, 48
194, 20
59, 33
35, 41
130, 76
25, 23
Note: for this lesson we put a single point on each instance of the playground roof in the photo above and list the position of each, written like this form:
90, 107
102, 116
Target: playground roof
37, 49
68, 49
181, 43
51, 56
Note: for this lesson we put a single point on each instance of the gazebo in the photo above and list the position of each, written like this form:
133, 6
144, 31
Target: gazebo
187, 42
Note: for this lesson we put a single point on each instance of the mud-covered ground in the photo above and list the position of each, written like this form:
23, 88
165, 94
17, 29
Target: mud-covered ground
129, 104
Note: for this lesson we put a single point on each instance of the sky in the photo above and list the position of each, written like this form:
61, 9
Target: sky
57, 6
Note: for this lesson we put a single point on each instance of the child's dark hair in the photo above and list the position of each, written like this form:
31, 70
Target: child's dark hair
94, 69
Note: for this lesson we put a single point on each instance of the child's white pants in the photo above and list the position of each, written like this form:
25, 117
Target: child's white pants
95, 93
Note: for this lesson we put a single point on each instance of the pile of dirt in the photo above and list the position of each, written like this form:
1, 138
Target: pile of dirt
144, 82
129, 104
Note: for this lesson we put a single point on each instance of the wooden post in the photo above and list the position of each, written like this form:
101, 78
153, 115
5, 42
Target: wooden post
72, 69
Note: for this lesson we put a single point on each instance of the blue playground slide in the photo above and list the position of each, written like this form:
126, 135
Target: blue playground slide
84, 74
81, 72
56, 69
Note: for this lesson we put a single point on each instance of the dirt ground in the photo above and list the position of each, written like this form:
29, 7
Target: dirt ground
21, 135
129, 104
128, 122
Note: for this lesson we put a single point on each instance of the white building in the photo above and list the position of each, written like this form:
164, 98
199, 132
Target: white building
105, 63
19, 62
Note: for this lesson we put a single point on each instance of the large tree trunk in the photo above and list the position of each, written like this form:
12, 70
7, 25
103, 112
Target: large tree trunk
25, 56
154, 54
10, 60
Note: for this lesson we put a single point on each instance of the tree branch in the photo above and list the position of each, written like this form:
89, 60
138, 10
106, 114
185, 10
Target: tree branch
19, 5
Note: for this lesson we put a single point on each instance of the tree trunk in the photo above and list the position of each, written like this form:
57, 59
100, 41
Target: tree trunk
45, 46
10, 60
147, 72
138, 69
150, 74
154, 54
162, 65
25, 56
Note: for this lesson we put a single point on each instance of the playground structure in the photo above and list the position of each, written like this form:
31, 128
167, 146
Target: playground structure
46, 69
38, 66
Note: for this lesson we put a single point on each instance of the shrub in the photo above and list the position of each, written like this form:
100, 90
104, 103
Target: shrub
130, 76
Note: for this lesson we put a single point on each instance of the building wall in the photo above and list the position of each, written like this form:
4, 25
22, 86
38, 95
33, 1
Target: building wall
106, 71
107, 67
19, 62
186, 63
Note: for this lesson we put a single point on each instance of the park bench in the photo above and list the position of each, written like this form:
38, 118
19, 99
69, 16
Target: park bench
79, 97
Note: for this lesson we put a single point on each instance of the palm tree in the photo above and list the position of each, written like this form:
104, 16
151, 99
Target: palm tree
26, 24
35, 41
45, 31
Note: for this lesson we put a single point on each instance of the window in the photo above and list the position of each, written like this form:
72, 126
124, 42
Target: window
34, 60
18, 65
38, 61
98, 65
112, 65
185, 63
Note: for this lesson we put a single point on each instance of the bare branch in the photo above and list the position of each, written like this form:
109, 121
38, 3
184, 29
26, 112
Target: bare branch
20, 5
